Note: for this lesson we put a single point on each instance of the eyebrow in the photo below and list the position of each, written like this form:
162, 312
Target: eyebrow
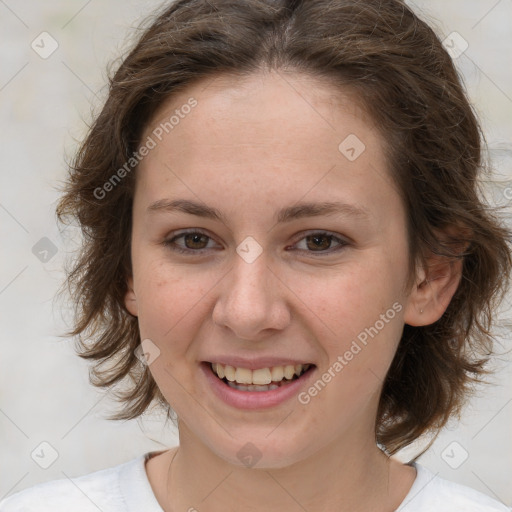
288, 214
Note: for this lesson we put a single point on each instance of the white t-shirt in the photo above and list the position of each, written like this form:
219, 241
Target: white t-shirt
126, 488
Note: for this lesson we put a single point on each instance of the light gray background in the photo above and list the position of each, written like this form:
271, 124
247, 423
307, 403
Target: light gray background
44, 104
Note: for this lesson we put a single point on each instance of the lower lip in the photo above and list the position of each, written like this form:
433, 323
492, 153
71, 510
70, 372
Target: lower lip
254, 399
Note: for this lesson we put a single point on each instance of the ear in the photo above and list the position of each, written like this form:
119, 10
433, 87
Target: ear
433, 292
130, 299
434, 288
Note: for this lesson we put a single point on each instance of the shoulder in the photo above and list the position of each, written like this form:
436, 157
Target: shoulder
431, 492
95, 491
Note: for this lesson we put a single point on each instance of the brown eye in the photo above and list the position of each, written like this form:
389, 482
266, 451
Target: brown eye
318, 242
193, 242
321, 243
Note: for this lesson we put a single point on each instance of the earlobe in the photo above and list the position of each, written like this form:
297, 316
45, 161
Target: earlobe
130, 299
433, 291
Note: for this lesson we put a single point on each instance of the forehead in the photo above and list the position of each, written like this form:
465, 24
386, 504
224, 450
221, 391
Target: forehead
277, 107
277, 134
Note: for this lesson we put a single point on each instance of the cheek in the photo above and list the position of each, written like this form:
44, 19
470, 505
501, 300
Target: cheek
169, 299
358, 319
172, 306
350, 299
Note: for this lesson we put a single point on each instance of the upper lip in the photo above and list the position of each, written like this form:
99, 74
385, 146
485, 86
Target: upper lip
256, 362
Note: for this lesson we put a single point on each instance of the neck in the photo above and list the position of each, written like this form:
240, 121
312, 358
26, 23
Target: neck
360, 477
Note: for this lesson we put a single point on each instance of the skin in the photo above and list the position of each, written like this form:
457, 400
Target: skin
249, 148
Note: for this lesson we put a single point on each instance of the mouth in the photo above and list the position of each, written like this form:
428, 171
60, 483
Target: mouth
261, 379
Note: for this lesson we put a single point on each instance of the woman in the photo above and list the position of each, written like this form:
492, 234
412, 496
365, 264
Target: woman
285, 247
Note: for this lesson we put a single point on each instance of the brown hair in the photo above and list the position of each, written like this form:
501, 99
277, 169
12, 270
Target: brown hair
406, 81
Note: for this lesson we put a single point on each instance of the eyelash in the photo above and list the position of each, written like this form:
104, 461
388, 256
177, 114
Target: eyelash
170, 243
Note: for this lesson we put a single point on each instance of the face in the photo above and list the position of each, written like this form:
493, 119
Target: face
238, 261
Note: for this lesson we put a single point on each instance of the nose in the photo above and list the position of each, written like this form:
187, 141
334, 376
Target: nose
252, 300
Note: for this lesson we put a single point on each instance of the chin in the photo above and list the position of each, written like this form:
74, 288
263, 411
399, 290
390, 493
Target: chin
260, 452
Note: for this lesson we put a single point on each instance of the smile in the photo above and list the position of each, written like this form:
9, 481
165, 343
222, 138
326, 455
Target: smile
262, 379
258, 387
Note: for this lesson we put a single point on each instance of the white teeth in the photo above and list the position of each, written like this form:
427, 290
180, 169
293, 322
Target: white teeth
229, 372
277, 373
252, 388
289, 371
260, 378
243, 376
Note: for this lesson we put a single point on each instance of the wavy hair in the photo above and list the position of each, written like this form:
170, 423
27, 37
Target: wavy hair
405, 79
